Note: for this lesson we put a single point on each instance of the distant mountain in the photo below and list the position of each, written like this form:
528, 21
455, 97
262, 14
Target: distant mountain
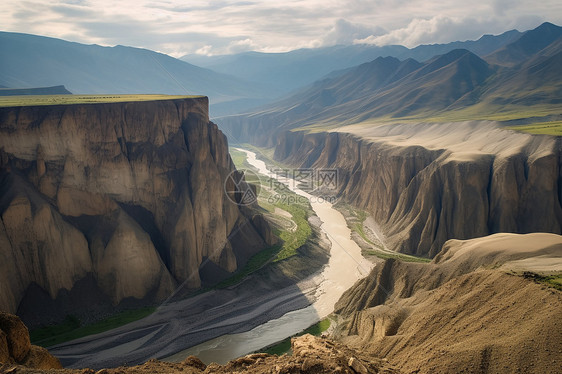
285, 72
530, 43
390, 88
486, 45
54, 90
36, 61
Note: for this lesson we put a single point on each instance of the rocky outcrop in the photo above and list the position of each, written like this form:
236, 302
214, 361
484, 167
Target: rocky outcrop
467, 311
427, 183
15, 347
125, 199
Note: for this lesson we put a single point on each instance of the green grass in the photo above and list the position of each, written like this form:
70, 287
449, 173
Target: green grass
294, 240
399, 256
239, 158
71, 327
284, 346
543, 128
554, 281
255, 263
479, 112
30, 100
268, 199
291, 241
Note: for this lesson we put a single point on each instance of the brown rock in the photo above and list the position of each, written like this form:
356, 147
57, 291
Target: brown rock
17, 336
195, 362
4, 350
40, 358
448, 312
426, 183
143, 181
357, 366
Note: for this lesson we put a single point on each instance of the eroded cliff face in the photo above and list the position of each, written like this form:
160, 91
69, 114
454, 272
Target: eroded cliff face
127, 198
427, 183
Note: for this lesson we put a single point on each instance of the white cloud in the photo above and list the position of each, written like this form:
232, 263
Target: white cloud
438, 29
345, 32
243, 45
227, 26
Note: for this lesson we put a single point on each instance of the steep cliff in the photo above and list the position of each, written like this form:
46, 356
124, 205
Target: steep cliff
124, 201
427, 183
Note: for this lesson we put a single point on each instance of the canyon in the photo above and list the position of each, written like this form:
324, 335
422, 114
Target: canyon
110, 205
425, 183
455, 211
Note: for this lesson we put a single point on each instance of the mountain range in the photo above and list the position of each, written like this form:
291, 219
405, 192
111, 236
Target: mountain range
28, 61
284, 72
234, 83
457, 84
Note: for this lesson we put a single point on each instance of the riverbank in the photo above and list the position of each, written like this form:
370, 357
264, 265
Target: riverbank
271, 291
267, 307
344, 268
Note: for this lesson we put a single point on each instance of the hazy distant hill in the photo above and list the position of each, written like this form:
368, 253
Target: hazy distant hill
284, 72
35, 61
390, 88
54, 90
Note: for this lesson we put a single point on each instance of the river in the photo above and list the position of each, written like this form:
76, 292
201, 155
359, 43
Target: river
345, 266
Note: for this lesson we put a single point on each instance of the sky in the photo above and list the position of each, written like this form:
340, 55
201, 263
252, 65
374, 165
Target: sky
220, 27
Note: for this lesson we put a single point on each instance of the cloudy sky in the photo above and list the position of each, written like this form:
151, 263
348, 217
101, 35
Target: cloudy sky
228, 26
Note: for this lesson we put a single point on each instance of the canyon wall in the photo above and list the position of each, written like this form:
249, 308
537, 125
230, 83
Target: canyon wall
115, 202
427, 183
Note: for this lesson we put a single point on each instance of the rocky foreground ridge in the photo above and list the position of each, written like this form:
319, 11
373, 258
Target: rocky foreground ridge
115, 204
428, 183
478, 307
309, 355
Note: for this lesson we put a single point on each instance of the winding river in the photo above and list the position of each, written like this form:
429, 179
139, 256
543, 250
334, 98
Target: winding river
345, 266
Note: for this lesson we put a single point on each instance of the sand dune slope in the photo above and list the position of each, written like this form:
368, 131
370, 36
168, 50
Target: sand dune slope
469, 311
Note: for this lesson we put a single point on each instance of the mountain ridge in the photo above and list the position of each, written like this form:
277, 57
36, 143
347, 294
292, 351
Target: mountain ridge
97, 69
294, 69
456, 82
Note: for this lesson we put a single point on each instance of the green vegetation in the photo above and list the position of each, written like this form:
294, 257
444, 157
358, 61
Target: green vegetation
255, 263
399, 256
30, 100
71, 328
477, 112
543, 128
239, 159
291, 240
274, 195
294, 240
284, 346
554, 281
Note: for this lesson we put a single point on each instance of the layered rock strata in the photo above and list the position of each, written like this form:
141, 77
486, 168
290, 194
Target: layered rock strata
427, 183
116, 201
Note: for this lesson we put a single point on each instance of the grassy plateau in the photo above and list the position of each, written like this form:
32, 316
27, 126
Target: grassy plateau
33, 100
